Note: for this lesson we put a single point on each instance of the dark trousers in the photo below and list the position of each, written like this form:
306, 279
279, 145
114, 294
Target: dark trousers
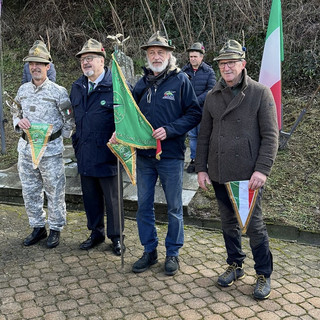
257, 233
100, 196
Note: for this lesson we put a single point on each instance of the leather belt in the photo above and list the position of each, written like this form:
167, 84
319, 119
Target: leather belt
52, 137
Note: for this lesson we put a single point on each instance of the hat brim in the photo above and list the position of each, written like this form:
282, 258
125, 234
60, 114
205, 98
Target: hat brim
229, 56
157, 44
36, 59
100, 53
196, 50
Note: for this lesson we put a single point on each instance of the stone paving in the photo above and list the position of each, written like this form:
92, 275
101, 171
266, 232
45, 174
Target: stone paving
67, 283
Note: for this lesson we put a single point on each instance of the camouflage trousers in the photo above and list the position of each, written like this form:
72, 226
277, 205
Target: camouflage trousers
49, 177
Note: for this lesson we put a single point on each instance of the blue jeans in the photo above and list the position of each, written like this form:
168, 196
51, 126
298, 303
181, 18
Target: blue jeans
193, 135
170, 172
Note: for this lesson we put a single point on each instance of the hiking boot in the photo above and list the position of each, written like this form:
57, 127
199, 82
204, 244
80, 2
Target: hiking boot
232, 273
171, 265
191, 167
148, 259
262, 289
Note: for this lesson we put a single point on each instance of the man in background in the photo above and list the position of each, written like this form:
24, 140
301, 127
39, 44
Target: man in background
203, 79
26, 76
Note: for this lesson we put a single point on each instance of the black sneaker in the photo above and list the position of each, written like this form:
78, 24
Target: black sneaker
148, 259
262, 289
171, 265
232, 273
191, 167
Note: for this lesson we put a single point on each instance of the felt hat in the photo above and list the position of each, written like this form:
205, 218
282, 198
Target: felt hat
156, 40
197, 47
38, 53
92, 46
232, 50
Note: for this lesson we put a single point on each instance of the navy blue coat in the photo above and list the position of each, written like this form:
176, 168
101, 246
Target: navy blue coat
94, 126
174, 106
202, 80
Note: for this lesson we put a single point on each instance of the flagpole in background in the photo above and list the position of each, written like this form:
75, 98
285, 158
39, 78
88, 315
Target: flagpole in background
270, 72
2, 120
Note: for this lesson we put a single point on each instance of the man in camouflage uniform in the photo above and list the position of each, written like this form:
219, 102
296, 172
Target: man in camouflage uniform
42, 101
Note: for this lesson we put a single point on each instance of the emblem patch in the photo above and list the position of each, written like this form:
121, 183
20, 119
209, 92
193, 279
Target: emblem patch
169, 95
36, 52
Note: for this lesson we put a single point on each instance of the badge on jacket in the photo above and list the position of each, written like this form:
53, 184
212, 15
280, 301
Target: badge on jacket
169, 95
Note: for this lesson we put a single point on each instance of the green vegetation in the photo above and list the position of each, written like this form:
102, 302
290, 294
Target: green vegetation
292, 194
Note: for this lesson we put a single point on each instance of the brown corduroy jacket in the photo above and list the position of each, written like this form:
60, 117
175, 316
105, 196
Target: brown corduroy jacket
238, 134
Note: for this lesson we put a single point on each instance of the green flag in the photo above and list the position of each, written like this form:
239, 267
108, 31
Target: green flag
127, 156
132, 128
38, 135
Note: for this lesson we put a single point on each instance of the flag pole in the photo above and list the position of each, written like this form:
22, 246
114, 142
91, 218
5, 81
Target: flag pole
120, 211
2, 120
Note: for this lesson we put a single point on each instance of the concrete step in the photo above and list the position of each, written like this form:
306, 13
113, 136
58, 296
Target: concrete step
10, 187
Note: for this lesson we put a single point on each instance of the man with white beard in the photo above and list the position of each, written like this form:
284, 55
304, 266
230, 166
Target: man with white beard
92, 101
166, 98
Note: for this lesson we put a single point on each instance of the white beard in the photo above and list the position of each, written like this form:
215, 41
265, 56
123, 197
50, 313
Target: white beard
158, 69
89, 73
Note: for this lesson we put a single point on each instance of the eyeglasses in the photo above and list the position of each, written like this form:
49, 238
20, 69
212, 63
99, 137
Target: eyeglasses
230, 64
87, 58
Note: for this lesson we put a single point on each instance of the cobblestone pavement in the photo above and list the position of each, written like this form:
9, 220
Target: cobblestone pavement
67, 283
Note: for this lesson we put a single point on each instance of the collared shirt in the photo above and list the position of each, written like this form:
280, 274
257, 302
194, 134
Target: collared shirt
96, 82
237, 87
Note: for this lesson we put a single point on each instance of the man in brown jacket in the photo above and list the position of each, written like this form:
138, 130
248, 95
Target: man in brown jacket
238, 140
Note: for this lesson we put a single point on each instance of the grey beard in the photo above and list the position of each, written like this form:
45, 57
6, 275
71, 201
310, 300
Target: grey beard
158, 69
89, 73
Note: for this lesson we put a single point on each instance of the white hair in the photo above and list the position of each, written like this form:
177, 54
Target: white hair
171, 62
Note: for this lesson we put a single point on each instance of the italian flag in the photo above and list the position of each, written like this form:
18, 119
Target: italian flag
243, 200
270, 73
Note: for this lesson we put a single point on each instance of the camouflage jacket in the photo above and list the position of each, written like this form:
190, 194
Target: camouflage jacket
48, 103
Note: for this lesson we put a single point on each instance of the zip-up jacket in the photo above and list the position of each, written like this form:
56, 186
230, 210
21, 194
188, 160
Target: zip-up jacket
173, 105
202, 80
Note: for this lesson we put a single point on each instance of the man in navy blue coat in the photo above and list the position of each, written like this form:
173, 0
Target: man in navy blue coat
203, 79
92, 101
166, 98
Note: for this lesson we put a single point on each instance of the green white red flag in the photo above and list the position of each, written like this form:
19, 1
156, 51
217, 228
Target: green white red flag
270, 72
243, 201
